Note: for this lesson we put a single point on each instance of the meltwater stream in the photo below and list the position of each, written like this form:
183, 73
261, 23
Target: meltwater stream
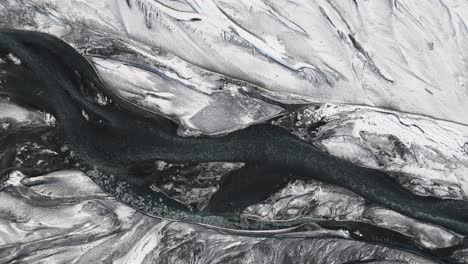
154, 131
117, 140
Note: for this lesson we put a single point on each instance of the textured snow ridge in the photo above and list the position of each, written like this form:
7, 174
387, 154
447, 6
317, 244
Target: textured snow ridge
315, 200
408, 56
67, 210
212, 114
383, 84
14, 115
427, 156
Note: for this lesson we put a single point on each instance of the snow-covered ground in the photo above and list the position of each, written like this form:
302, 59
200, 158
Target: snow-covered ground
383, 84
408, 56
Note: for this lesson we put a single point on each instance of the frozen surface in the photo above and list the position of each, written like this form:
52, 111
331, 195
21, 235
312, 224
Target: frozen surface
14, 115
192, 184
94, 227
212, 114
385, 84
429, 157
315, 200
404, 55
